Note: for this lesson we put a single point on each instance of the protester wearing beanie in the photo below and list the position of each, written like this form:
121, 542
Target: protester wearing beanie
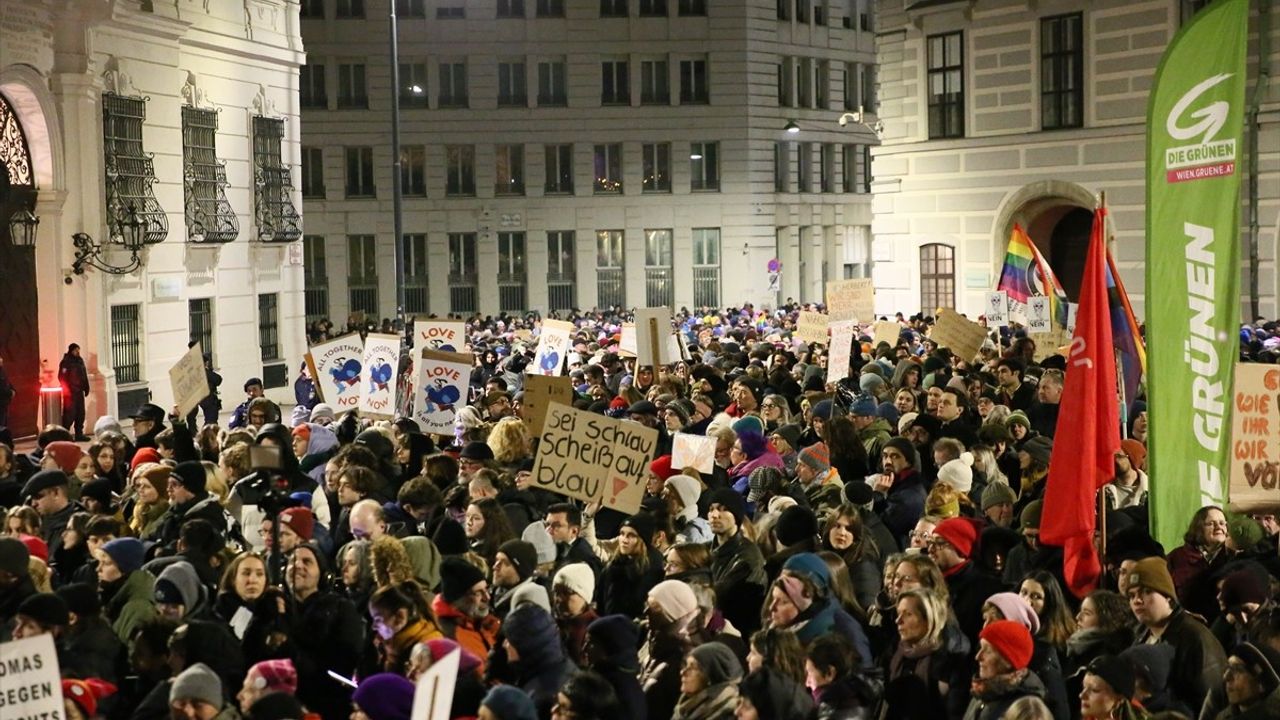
462, 607
1260, 662
268, 676
951, 548
1004, 651
536, 655
39, 614
634, 569
1029, 554
997, 504
797, 532
505, 702
1108, 688
683, 491
188, 500
513, 568
127, 594
737, 565
573, 590
712, 692
1199, 660
385, 696
195, 690
87, 693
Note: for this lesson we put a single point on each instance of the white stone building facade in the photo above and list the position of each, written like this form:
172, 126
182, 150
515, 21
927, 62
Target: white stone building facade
580, 153
188, 112
1037, 107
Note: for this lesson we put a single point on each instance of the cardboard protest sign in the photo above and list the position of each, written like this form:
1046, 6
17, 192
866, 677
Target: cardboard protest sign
553, 345
540, 391
336, 368
693, 451
440, 388
1039, 319
592, 457
381, 362
1255, 439
627, 344
886, 331
851, 300
811, 327
1050, 343
433, 693
440, 335
188, 380
997, 309
653, 333
842, 335
32, 685
963, 336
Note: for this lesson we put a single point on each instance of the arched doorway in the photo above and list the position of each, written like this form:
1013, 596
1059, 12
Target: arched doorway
1058, 217
19, 328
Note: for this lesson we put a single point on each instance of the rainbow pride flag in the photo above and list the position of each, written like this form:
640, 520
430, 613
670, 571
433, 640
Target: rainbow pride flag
1026, 273
1130, 350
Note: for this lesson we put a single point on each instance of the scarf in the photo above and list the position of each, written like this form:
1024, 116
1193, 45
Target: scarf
998, 686
712, 703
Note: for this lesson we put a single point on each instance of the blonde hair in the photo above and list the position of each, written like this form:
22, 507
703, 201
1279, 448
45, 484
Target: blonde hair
214, 482
934, 609
390, 561
509, 440
41, 578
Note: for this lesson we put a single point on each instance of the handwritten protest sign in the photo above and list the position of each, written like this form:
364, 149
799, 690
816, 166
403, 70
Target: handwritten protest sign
553, 345
592, 457
188, 380
693, 451
540, 391
381, 362
433, 693
886, 331
1050, 343
1038, 318
997, 310
336, 369
842, 334
811, 327
851, 300
440, 389
440, 335
32, 686
1255, 438
653, 332
963, 336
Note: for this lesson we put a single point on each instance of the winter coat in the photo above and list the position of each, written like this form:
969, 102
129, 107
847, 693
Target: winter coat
396, 651
624, 587
1193, 576
902, 506
873, 437
131, 603
1268, 709
477, 636
915, 685
329, 635
1198, 659
737, 572
92, 649
992, 703
969, 587
203, 508
852, 698
573, 631
73, 376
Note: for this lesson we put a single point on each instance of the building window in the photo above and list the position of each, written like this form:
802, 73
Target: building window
784, 9
657, 167
511, 272
464, 297
311, 90
819, 12
510, 8
130, 172
781, 166
277, 219
784, 83
608, 168
360, 173
693, 8
362, 274
311, 9
827, 167
511, 84
209, 216
550, 8
610, 285
706, 267
806, 167
866, 168
704, 166
613, 8
461, 170
350, 9
659, 288
867, 80
312, 172
509, 170
269, 325
415, 274
804, 82
946, 85
352, 91
126, 333
456, 12
822, 84
315, 277
693, 82
851, 157
1062, 72
559, 167
200, 323
453, 85
654, 86
411, 8
802, 12
413, 170
615, 83
561, 269
653, 8
552, 83
850, 86
937, 277
413, 85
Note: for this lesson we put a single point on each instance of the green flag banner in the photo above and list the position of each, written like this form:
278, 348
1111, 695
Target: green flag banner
1194, 124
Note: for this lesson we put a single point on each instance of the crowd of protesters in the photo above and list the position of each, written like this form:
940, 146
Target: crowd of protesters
867, 548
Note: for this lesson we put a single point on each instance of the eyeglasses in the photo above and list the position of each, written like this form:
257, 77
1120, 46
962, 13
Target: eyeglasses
1214, 524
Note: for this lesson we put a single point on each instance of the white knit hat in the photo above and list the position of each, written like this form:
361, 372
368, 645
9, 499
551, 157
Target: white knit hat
577, 578
958, 473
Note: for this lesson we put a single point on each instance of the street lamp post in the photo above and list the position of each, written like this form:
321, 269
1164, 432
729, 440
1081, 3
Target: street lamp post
397, 192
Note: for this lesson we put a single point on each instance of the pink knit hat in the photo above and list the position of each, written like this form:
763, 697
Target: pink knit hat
276, 676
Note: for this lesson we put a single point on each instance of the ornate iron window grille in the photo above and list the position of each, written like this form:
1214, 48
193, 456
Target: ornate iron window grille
130, 171
277, 219
209, 216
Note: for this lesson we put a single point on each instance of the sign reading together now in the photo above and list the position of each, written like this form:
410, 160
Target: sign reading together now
594, 458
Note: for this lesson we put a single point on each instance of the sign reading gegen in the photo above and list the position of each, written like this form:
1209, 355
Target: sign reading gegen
31, 686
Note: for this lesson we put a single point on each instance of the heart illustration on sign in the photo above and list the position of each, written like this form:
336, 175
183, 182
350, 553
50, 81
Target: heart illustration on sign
619, 484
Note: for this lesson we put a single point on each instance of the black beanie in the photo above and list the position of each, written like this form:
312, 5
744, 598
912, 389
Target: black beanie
450, 538
45, 608
731, 500
522, 555
644, 525
190, 475
795, 525
457, 577
81, 598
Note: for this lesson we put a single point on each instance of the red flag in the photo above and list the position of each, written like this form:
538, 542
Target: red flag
1084, 448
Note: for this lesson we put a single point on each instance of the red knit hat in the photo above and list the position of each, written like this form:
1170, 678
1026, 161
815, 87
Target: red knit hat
1011, 639
302, 430
662, 467
144, 455
618, 403
67, 454
36, 547
300, 520
87, 693
959, 533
